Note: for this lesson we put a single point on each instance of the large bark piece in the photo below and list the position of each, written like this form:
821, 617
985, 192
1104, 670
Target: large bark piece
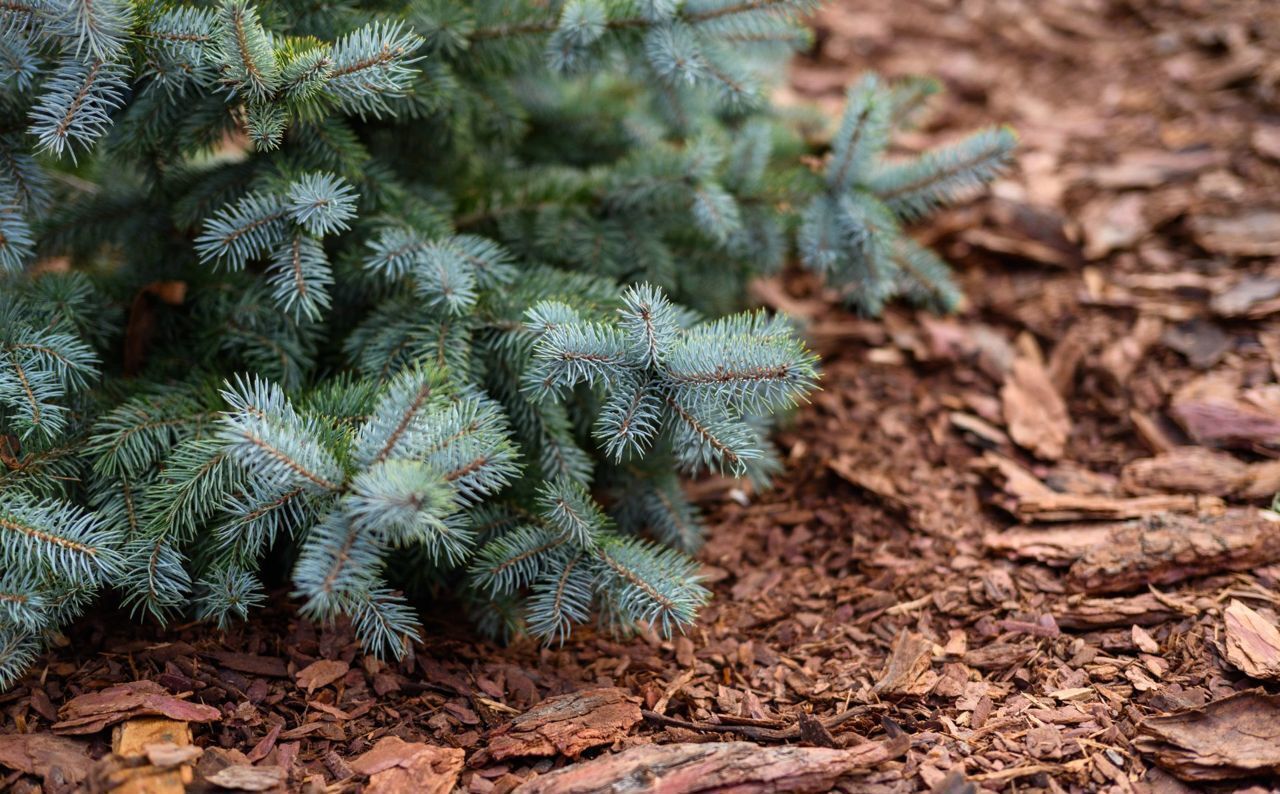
1197, 470
906, 672
1159, 549
434, 770
1236, 737
567, 724
394, 765
1186, 470
1169, 548
1059, 546
716, 768
1254, 232
60, 761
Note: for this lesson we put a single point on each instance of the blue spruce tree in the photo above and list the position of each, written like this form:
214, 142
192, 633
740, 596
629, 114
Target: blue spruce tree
459, 288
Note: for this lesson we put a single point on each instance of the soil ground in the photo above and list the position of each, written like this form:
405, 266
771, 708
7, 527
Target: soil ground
952, 555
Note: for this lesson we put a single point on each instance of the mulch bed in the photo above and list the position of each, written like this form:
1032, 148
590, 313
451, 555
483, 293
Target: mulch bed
1015, 549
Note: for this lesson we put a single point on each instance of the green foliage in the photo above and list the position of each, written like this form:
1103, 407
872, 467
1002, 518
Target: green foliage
406, 289
852, 230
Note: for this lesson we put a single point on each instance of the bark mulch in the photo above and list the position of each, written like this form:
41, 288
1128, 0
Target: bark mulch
1021, 548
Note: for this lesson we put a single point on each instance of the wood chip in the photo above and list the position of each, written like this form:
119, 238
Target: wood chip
241, 777
433, 770
1153, 433
907, 670
1060, 546
1077, 507
1251, 233
1100, 613
1143, 640
168, 754
159, 752
1244, 298
1113, 223
394, 766
1122, 357
1148, 168
272, 666
1266, 140
872, 482
1202, 341
1187, 470
1159, 549
1262, 483
1011, 476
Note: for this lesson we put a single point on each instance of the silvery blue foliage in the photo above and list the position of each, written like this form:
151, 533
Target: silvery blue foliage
428, 298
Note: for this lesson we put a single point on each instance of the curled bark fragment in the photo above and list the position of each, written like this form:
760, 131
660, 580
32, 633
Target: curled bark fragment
93, 711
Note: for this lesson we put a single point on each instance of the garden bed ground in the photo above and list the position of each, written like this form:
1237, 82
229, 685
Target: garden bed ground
944, 586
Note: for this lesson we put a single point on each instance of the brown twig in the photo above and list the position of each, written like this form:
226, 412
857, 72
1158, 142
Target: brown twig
754, 731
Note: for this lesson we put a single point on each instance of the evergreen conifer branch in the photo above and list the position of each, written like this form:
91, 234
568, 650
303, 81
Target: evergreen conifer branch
97, 28
17, 241
19, 649
75, 107
56, 537
371, 66
920, 186
244, 52
561, 598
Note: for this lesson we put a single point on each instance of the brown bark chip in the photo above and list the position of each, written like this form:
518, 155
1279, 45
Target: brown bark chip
1252, 233
321, 673
1214, 412
907, 670
151, 755
430, 770
1252, 642
1034, 411
1100, 613
1186, 470
241, 777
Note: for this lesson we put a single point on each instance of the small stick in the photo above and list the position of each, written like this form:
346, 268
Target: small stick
752, 731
